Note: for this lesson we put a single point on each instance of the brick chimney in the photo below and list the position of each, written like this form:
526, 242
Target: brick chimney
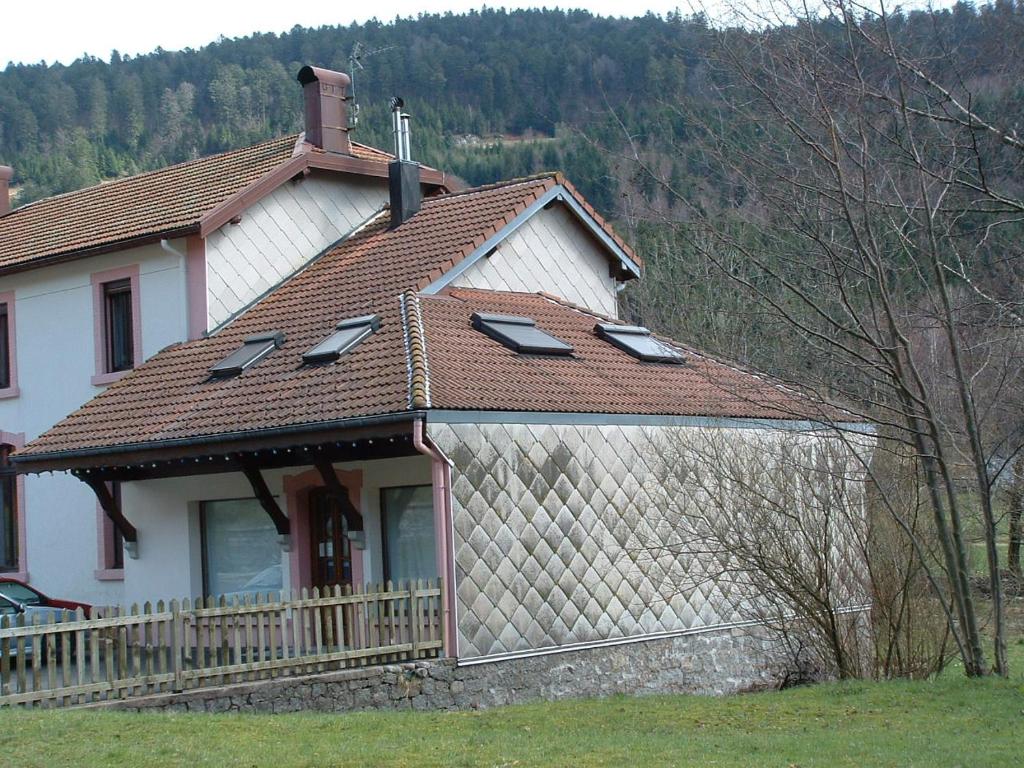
325, 95
5, 188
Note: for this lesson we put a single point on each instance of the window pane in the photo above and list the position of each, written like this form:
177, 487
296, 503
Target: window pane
116, 539
5, 349
409, 533
120, 342
243, 553
8, 512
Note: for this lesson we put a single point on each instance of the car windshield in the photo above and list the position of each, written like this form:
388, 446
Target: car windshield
19, 593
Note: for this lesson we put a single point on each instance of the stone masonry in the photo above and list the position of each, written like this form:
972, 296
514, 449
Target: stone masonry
720, 662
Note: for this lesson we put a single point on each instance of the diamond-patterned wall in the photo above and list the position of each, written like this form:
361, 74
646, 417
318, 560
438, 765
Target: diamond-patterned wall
557, 535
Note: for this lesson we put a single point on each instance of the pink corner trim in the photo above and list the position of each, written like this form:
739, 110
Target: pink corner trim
109, 574
7, 297
17, 439
131, 273
195, 286
296, 491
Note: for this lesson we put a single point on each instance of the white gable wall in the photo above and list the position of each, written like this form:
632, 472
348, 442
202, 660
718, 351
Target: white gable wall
279, 234
551, 252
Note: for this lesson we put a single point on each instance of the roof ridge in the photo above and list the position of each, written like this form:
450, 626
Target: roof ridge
106, 184
556, 175
416, 349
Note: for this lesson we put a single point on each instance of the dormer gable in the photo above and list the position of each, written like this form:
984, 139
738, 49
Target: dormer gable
559, 245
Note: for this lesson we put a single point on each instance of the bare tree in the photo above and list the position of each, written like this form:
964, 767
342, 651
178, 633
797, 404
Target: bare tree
880, 221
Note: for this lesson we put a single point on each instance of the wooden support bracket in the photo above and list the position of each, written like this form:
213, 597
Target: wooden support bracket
112, 509
340, 492
266, 499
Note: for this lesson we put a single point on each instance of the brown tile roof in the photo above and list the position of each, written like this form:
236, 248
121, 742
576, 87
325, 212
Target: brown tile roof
170, 397
165, 201
470, 371
424, 343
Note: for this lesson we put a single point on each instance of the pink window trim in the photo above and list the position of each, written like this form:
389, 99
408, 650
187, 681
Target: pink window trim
98, 279
17, 439
195, 286
104, 552
296, 491
7, 298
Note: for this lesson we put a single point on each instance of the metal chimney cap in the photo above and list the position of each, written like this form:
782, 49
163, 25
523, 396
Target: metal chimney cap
310, 74
397, 102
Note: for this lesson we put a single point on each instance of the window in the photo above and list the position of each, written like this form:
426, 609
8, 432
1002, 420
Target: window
408, 527
638, 342
9, 559
5, 348
8, 362
254, 348
119, 336
520, 334
348, 334
241, 549
116, 323
115, 541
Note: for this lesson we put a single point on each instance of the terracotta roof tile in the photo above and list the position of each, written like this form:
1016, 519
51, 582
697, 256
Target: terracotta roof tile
167, 200
470, 371
425, 354
171, 397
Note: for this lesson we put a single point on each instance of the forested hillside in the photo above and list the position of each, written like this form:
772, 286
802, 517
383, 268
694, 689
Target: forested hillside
493, 94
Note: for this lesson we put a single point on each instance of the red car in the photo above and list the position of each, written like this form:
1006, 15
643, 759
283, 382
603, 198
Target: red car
18, 597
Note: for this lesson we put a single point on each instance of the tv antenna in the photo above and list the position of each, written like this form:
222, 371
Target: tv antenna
355, 62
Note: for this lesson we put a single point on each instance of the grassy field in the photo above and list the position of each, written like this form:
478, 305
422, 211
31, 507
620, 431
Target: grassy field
946, 722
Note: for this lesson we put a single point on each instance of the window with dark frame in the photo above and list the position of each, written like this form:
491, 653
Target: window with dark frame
118, 326
8, 511
115, 545
254, 348
638, 342
520, 334
5, 348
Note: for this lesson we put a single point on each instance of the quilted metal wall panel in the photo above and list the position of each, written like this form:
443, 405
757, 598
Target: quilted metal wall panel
561, 534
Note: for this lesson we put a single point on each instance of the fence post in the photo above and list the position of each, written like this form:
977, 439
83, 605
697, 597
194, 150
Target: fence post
177, 646
415, 619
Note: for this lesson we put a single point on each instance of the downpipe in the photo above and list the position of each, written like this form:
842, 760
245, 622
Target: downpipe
441, 474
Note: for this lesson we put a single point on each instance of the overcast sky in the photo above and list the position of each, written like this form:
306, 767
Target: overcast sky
64, 30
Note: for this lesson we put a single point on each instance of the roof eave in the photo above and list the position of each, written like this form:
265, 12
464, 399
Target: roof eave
301, 163
127, 454
97, 250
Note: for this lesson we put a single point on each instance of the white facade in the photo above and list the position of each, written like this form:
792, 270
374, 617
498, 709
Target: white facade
166, 514
55, 349
551, 252
55, 353
279, 234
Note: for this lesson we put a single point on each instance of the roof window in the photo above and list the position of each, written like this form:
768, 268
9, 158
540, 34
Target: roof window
520, 334
348, 333
638, 342
253, 349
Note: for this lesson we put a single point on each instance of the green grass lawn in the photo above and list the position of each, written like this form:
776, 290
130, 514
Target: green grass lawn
946, 722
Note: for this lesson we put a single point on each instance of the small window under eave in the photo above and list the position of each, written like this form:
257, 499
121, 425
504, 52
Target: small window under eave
347, 335
520, 334
638, 342
253, 349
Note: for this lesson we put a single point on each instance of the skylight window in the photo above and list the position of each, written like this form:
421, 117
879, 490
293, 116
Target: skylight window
638, 342
520, 334
253, 349
348, 334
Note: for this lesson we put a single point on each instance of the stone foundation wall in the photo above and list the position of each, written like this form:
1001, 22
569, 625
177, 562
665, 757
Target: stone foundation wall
726, 661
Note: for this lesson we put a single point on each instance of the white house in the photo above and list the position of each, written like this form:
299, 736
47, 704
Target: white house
350, 381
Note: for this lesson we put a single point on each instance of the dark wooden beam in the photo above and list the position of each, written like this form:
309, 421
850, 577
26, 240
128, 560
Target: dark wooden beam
266, 499
340, 492
112, 509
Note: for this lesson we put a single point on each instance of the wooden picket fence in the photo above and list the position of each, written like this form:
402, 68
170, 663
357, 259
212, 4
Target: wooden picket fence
118, 653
